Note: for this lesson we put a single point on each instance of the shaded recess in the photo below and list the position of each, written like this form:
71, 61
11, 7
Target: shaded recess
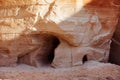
44, 54
114, 56
84, 59
114, 53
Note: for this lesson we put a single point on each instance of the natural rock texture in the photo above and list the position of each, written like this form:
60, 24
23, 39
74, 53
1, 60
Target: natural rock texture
88, 71
70, 31
115, 46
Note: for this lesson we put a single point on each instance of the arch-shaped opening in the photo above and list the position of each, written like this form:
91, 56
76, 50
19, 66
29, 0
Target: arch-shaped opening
50, 43
44, 54
84, 59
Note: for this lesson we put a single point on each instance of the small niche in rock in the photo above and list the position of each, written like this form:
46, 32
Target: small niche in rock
84, 59
43, 55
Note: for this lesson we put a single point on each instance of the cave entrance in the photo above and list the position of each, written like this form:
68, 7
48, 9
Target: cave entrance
47, 53
84, 59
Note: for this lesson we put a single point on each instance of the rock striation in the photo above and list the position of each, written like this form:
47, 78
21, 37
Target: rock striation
60, 33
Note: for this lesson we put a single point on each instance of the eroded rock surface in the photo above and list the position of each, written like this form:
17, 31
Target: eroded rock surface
88, 71
115, 46
32, 30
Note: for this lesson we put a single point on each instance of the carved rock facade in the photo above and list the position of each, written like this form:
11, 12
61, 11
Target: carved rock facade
61, 33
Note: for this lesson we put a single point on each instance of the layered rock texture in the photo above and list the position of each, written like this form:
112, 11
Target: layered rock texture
60, 33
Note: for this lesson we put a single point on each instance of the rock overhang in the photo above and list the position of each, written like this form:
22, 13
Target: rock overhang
84, 29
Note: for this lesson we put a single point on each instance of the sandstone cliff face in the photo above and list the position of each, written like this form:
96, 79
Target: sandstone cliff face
115, 46
61, 33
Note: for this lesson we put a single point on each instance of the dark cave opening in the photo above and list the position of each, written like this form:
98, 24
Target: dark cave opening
114, 56
84, 59
48, 50
44, 54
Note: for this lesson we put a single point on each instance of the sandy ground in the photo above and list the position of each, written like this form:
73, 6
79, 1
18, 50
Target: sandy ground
89, 71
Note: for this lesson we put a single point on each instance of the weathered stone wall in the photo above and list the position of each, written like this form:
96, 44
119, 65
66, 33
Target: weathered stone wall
67, 29
115, 46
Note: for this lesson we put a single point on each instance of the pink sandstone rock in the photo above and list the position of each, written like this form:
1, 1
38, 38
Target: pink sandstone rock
114, 56
60, 33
